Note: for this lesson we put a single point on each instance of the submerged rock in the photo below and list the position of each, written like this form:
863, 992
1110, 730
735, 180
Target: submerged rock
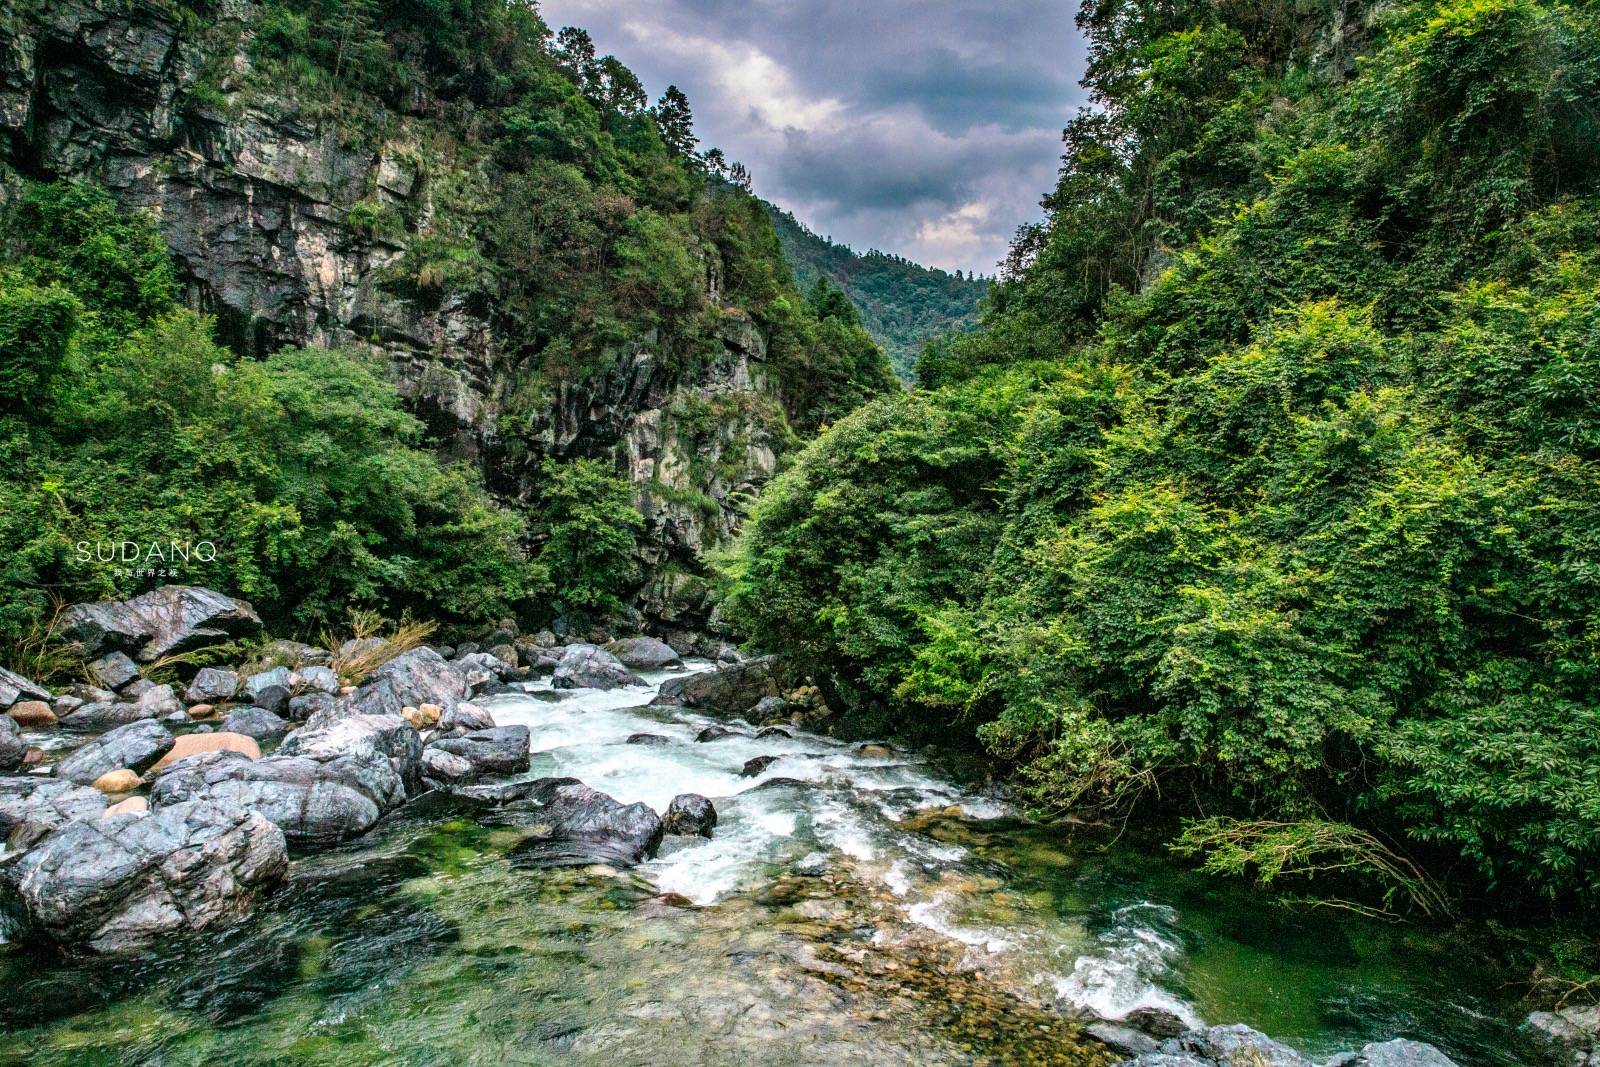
591, 667
136, 746
756, 767
690, 814
120, 884
648, 739
715, 733
577, 826
174, 618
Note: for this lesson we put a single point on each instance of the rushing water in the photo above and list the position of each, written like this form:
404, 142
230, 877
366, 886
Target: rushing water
848, 910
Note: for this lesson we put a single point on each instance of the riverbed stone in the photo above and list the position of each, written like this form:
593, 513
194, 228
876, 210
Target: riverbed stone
212, 685
1157, 1022
13, 749
315, 679
756, 767
120, 885
1234, 1043
136, 746
14, 687
31, 807
212, 741
715, 733
576, 826
585, 666
1400, 1052
1123, 1039
387, 736
648, 739
305, 706
728, 690
465, 717
119, 781
257, 723
644, 654
500, 750
127, 806
32, 713
1574, 1031
164, 621
114, 670
296, 654
690, 814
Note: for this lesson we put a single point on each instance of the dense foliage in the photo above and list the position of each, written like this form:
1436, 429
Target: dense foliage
902, 304
1271, 484
122, 420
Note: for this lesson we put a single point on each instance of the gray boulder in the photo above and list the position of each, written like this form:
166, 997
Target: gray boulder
160, 699
31, 807
387, 736
715, 733
103, 716
307, 705
578, 826
644, 654
124, 883
1572, 1034
1235, 1043
756, 767
313, 801
114, 670
501, 750
174, 618
14, 687
212, 685
648, 739
480, 670
419, 676
1123, 1039
591, 667
465, 717
135, 746
690, 814
442, 768
258, 723
315, 679
725, 691
12, 747
269, 689
1397, 1053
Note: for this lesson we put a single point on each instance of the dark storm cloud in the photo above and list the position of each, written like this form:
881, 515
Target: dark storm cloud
916, 126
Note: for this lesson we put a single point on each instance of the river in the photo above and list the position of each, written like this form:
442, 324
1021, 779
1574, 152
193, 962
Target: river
850, 909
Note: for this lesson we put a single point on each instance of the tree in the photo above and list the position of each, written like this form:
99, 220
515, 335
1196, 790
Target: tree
676, 122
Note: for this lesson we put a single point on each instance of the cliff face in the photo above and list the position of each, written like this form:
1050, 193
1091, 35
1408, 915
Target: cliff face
267, 202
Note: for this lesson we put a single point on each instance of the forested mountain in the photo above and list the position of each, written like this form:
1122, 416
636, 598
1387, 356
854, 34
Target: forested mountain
902, 304
304, 278
1269, 490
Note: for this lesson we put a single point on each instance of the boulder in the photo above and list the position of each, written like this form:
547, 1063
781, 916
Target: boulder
1397, 1053
464, 718
874, 751
715, 733
121, 884
160, 699
33, 713
501, 750
212, 685
648, 739
136, 746
1123, 1039
31, 807
644, 654
14, 687
315, 679
13, 749
768, 708
419, 676
387, 736
756, 767
590, 667
104, 716
63, 704
1157, 1022
137, 688
441, 768
773, 731
89, 694
172, 619
506, 654
728, 690
578, 826
307, 705
1574, 1030
1235, 1043
123, 781
314, 802
114, 670
213, 741
200, 712
690, 814
257, 723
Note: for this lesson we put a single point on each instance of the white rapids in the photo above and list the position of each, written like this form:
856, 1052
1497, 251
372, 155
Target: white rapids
848, 811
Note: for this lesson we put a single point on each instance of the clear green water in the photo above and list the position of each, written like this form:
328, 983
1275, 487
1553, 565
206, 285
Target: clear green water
876, 914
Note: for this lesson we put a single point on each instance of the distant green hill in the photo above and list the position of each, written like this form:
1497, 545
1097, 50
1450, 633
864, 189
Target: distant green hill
903, 304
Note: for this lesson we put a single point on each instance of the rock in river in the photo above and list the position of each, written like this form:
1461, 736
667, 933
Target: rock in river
120, 884
725, 691
31, 807
12, 747
136, 746
591, 667
14, 687
576, 826
690, 814
644, 654
501, 750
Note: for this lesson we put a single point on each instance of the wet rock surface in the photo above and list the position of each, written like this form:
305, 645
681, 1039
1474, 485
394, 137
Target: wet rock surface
584, 666
577, 825
136, 747
172, 619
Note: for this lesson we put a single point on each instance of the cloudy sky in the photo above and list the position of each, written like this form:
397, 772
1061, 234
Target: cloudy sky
924, 127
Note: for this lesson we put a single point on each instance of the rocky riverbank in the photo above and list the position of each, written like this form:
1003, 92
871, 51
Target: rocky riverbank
138, 814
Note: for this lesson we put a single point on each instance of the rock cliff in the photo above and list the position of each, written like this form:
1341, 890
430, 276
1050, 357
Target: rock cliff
269, 200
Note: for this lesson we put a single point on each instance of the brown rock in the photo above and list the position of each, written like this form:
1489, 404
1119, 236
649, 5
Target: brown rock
128, 806
422, 717
33, 713
203, 711
33, 757
123, 781
194, 744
